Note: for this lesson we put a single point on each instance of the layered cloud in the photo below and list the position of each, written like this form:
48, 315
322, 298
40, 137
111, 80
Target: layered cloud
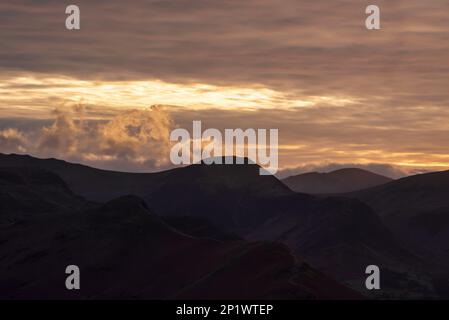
138, 140
338, 93
312, 48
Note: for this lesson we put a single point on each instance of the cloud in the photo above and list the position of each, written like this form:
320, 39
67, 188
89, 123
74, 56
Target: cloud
337, 92
63, 137
352, 134
309, 48
137, 136
137, 140
12, 140
134, 140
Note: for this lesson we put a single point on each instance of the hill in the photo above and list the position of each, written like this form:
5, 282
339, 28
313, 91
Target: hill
125, 251
339, 181
339, 236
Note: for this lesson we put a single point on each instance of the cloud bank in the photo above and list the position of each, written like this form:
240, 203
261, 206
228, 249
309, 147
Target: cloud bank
134, 140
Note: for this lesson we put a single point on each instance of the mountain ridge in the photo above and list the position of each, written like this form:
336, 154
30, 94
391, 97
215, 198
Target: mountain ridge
337, 181
337, 234
126, 251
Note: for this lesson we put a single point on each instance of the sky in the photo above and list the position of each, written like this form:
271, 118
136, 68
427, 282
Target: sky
340, 95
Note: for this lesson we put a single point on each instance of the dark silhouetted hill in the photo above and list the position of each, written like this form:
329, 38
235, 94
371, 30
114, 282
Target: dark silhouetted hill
125, 251
416, 210
343, 180
339, 236
415, 207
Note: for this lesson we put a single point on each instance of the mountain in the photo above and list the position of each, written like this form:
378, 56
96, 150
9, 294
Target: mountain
26, 189
341, 237
91, 183
416, 208
339, 181
337, 235
220, 193
126, 251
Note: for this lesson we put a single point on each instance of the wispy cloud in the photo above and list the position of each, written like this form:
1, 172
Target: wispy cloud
32, 95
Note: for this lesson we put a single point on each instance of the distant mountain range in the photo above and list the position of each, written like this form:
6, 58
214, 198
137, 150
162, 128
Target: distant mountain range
126, 251
338, 235
342, 180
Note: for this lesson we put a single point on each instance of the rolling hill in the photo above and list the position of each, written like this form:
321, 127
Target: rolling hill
343, 180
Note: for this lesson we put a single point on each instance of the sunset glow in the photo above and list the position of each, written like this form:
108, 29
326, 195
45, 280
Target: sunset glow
339, 94
40, 94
